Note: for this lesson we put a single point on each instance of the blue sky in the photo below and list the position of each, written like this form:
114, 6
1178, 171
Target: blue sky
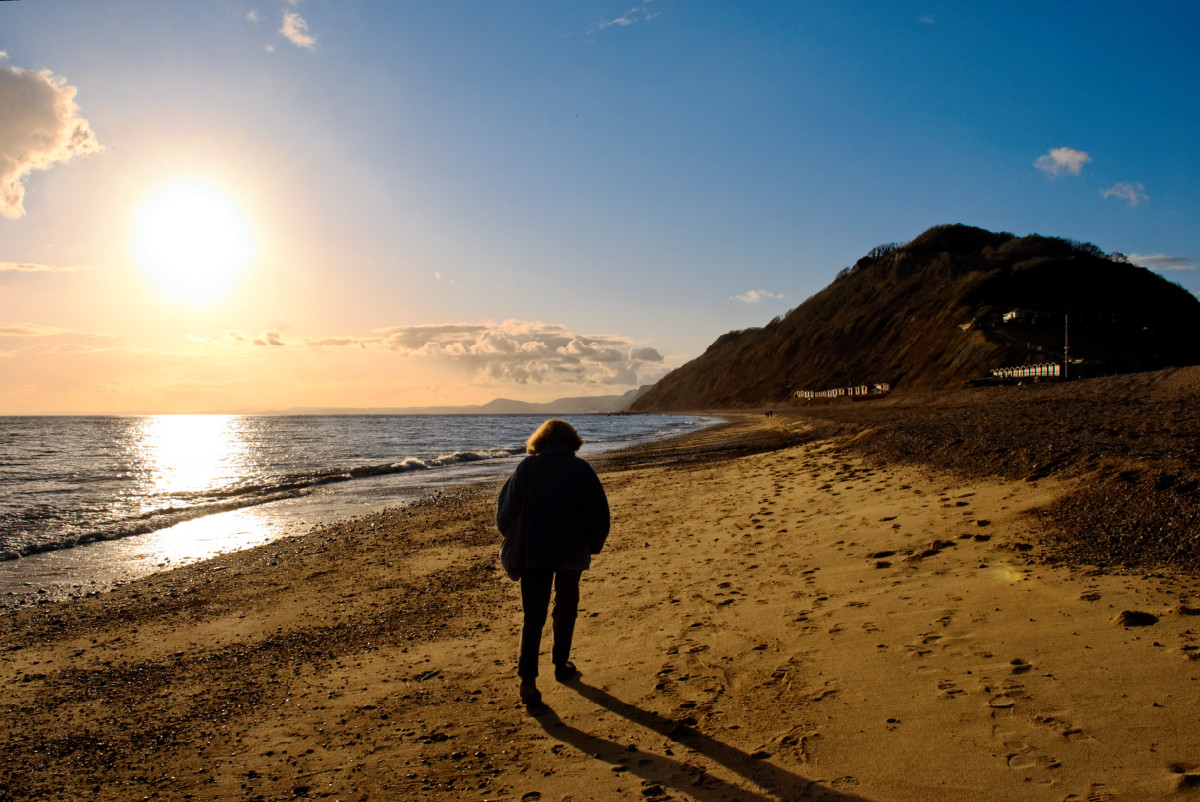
451, 202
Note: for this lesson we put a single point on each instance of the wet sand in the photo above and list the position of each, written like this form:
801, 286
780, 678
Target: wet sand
788, 608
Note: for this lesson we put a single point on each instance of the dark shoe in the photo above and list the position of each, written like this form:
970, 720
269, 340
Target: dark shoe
531, 697
566, 672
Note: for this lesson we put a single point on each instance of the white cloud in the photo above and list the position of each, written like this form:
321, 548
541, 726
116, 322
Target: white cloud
525, 352
251, 16
1062, 160
513, 351
1132, 193
634, 15
1162, 261
756, 296
33, 267
926, 19
295, 30
40, 126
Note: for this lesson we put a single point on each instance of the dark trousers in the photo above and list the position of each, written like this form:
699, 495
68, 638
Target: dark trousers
535, 599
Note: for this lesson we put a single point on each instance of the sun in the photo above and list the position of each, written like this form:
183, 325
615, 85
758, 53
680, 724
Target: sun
193, 242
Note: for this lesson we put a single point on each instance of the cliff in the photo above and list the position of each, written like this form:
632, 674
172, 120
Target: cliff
946, 308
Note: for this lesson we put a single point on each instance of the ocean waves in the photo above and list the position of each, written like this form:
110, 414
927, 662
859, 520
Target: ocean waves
46, 527
76, 481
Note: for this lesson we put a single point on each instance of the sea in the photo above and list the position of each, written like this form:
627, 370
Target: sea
87, 503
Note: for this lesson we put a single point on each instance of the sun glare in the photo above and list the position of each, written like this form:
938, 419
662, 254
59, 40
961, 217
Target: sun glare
193, 242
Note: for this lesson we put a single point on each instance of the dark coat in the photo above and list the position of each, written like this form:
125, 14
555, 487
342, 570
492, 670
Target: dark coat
566, 511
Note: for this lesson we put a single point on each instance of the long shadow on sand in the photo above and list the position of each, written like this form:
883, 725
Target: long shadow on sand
774, 783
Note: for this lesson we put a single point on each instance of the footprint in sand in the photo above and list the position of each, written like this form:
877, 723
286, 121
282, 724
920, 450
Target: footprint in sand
1063, 728
1186, 776
1097, 793
919, 649
1135, 618
1027, 763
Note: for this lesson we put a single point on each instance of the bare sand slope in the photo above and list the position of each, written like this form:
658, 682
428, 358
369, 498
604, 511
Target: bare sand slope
789, 624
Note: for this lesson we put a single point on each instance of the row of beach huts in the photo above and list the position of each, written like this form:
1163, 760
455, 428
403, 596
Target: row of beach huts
855, 391
1049, 370
1042, 370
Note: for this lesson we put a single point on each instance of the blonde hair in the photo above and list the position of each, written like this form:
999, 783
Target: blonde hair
552, 435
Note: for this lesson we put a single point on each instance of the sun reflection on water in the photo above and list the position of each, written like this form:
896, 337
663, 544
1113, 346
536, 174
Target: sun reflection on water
202, 538
195, 462
183, 455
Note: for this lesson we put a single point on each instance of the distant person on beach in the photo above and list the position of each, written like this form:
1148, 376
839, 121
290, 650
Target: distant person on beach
565, 522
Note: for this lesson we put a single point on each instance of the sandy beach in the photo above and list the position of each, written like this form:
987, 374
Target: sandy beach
785, 610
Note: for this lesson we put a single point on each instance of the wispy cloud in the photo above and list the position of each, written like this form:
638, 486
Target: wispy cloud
1133, 193
512, 351
1062, 160
270, 337
40, 127
29, 330
757, 296
639, 13
1162, 261
38, 330
33, 267
926, 19
295, 30
61, 348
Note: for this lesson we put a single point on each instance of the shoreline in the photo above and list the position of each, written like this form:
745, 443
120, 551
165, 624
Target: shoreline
775, 617
78, 570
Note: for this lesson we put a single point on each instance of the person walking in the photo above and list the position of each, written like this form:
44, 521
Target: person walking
565, 521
